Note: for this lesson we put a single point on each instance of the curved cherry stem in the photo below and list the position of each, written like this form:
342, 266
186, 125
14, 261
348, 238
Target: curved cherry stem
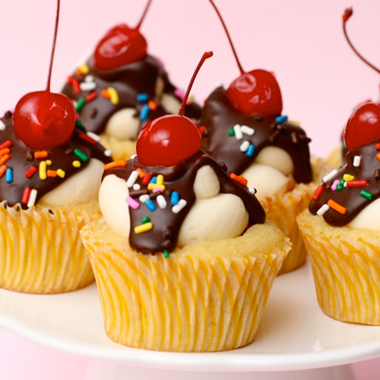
53, 49
346, 16
205, 56
143, 15
229, 38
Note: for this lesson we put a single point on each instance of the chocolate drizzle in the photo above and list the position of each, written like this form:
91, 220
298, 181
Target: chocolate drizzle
339, 189
219, 117
180, 178
129, 81
22, 158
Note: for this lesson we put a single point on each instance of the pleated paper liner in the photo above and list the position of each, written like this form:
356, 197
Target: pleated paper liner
121, 150
41, 250
283, 209
346, 269
207, 296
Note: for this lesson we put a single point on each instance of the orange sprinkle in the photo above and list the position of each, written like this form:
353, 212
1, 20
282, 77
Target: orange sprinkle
115, 164
3, 169
41, 154
239, 178
141, 172
378, 156
4, 151
4, 159
152, 104
337, 207
78, 72
202, 129
51, 173
106, 94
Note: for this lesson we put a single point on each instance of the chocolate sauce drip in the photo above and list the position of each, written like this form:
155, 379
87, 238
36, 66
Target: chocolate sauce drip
22, 158
219, 116
129, 81
180, 178
350, 197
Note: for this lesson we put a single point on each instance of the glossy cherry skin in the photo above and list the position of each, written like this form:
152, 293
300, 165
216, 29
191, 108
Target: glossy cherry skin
120, 46
168, 140
44, 120
363, 127
256, 92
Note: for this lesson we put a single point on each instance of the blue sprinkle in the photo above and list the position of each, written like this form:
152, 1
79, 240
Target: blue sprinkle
142, 97
281, 119
153, 180
250, 150
9, 175
151, 206
174, 199
144, 113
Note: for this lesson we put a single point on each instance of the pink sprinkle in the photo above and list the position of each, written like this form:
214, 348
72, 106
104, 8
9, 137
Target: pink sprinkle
157, 190
335, 183
179, 93
133, 203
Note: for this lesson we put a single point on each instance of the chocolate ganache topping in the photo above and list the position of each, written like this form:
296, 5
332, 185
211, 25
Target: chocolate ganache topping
99, 94
26, 173
347, 191
165, 197
218, 119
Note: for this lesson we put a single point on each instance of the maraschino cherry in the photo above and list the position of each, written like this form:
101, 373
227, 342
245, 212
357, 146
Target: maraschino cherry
363, 127
121, 45
43, 119
253, 92
170, 139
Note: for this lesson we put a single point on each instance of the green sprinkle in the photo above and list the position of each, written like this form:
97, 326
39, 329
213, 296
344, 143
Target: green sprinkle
166, 254
339, 187
342, 181
145, 219
79, 124
231, 132
366, 194
82, 156
80, 104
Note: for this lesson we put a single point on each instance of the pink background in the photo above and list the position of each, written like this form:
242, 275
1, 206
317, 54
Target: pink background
300, 40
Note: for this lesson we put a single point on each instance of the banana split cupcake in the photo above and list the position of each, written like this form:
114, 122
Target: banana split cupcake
184, 260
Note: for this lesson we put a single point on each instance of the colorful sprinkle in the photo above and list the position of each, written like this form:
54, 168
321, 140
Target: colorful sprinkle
9, 175
179, 206
80, 104
87, 86
141, 172
357, 161
377, 146
145, 219
115, 164
146, 179
31, 171
51, 173
32, 198
136, 186
114, 96
84, 68
3, 169
348, 177
42, 170
252, 190
4, 159
239, 178
144, 198
237, 131
336, 206
244, 146
82, 156
152, 105
132, 178
334, 185
357, 183
4, 151
150, 204
74, 84
26, 195
174, 198
323, 209
93, 136
161, 201
144, 113
2, 125
329, 176
318, 193
378, 156
366, 194
133, 203
41, 154
76, 164
142, 97
91, 96
250, 150
61, 173
108, 153
143, 228
247, 130
281, 119
6, 144
105, 93
166, 254
231, 132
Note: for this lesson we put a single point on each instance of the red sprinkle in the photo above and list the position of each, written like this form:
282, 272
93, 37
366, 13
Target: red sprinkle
26, 195
91, 96
202, 129
377, 146
6, 144
318, 193
86, 137
31, 171
357, 183
74, 84
146, 179
240, 179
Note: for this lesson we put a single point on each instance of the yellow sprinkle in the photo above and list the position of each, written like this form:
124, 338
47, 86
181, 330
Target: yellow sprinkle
160, 180
84, 68
76, 164
114, 96
348, 177
143, 228
61, 173
297, 123
48, 162
152, 186
42, 170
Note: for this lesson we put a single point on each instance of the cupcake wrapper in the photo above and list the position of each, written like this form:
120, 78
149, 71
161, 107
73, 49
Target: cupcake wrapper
346, 275
184, 303
42, 251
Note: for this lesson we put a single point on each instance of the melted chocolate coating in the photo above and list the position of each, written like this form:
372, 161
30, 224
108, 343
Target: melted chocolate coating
22, 158
349, 197
136, 78
219, 116
180, 178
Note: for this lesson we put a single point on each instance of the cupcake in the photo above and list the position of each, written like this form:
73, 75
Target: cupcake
341, 227
243, 127
121, 87
50, 173
184, 260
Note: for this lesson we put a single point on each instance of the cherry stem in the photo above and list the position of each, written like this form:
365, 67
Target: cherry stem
229, 38
205, 56
346, 16
143, 15
53, 49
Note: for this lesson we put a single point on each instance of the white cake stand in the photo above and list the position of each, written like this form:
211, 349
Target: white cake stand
295, 339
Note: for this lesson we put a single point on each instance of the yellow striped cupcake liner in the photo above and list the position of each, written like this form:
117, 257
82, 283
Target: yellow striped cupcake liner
346, 270
41, 251
283, 209
184, 303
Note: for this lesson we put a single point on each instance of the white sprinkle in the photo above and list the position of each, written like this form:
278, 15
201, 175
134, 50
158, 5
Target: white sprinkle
161, 201
327, 177
132, 178
237, 131
2, 126
357, 160
247, 130
108, 153
32, 198
87, 86
133, 156
144, 198
218, 84
179, 206
89, 78
94, 136
136, 186
244, 146
323, 209
252, 190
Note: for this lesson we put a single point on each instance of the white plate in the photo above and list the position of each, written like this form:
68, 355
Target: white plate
294, 334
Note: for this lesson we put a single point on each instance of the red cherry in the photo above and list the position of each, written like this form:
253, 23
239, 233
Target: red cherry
256, 92
363, 127
168, 140
44, 120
